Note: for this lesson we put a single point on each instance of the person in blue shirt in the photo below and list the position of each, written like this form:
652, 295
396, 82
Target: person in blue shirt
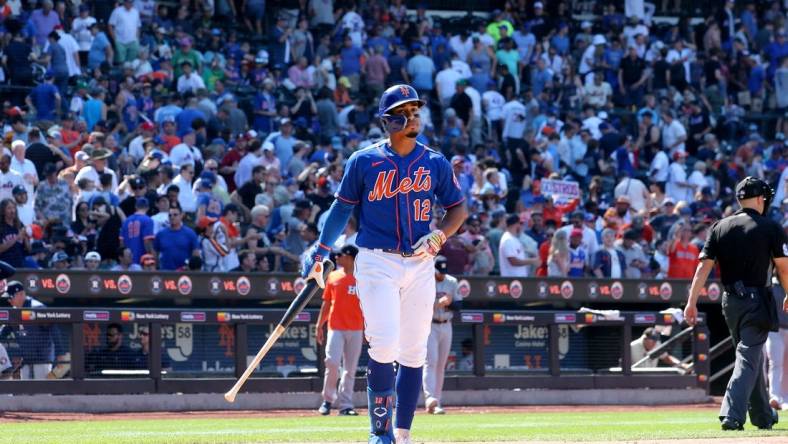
45, 98
176, 243
137, 231
351, 62
421, 69
207, 203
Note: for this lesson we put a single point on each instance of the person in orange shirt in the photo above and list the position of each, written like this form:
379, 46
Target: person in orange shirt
342, 312
682, 254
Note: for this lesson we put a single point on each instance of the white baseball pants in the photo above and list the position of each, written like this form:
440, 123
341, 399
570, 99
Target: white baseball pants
396, 295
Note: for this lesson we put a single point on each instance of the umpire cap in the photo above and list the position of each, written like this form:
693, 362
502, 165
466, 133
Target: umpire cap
753, 187
441, 264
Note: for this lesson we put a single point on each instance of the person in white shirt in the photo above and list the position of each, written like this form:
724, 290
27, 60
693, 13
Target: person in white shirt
588, 60
513, 120
80, 29
25, 168
493, 102
185, 153
445, 83
635, 190
186, 197
92, 172
697, 179
189, 81
677, 187
253, 158
124, 27
161, 219
71, 47
644, 344
354, 24
598, 93
589, 240
512, 259
462, 67
673, 133
658, 170
9, 179
461, 46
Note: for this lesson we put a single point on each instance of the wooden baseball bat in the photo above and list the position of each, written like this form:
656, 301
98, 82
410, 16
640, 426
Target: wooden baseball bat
296, 307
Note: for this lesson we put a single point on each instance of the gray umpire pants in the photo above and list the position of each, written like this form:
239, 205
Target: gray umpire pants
744, 316
438, 347
343, 348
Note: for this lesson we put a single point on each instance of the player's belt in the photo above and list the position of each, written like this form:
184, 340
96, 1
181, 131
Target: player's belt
437, 321
401, 253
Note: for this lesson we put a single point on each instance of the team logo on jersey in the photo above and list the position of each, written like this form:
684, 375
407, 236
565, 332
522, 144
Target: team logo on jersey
351, 290
665, 291
464, 288
616, 290
63, 283
386, 189
713, 292
124, 284
567, 290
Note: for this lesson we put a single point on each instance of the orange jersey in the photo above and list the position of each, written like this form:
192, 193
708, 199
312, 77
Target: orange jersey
683, 261
345, 313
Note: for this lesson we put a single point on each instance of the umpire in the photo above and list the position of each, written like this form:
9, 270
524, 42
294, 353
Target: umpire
746, 245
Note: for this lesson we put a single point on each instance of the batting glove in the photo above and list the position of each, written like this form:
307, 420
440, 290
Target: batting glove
312, 267
430, 244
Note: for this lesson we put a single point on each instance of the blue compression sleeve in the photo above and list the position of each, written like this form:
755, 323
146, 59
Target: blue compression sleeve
337, 218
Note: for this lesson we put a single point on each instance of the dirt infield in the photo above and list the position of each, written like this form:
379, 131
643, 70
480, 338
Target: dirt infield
230, 414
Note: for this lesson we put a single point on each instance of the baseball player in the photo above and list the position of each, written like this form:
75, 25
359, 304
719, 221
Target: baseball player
342, 313
393, 185
447, 298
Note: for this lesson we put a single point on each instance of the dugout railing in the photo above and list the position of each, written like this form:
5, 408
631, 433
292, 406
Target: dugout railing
481, 377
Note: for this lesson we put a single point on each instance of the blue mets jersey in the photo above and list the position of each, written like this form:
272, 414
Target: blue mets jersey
395, 194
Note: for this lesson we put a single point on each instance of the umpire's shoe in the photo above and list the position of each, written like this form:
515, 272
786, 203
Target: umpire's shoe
775, 420
731, 424
325, 408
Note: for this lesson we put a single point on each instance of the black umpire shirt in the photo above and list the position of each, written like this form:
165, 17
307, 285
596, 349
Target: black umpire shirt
744, 245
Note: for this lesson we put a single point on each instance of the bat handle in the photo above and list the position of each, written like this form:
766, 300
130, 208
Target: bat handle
233, 392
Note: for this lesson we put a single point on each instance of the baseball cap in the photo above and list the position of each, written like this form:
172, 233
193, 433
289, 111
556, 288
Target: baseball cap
17, 142
350, 250
457, 160
668, 201
59, 256
19, 189
336, 142
147, 126
512, 219
651, 333
93, 256
268, 146
441, 264
576, 232
142, 202
14, 287
207, 179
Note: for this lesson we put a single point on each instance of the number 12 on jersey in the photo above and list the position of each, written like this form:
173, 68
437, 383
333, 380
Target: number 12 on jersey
421, 208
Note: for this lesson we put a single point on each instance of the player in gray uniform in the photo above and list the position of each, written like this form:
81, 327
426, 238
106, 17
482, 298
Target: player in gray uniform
447, 299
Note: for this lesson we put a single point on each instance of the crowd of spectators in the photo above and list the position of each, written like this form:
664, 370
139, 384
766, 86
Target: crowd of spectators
211, 134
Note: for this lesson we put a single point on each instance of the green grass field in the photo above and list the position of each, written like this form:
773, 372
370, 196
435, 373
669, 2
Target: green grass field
455, 427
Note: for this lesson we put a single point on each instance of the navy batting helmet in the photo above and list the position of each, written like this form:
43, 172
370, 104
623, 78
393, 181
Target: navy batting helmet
393, 97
